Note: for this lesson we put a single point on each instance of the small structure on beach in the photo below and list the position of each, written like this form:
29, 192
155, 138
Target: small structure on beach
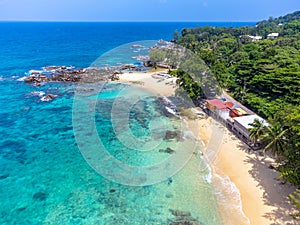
233, 115
242, 124
219, 109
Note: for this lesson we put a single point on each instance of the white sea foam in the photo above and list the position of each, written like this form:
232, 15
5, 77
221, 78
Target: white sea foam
171, 111
208, 176
229, 196
38, 93
204, 168
44, 99
226, 191
22, 78
170, 107
35, 71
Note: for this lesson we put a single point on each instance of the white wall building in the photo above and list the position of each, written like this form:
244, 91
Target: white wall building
273, 35
242, 124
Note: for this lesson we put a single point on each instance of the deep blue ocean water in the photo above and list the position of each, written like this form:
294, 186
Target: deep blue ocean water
44, 179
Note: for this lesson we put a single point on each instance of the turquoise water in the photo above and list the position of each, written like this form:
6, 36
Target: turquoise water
48, 181
44, 177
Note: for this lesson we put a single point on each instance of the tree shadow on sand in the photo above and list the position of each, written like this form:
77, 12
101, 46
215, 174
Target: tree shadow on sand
275, 192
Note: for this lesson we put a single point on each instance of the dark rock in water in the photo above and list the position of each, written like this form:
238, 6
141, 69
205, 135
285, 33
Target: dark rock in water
171, 134
180, 213
112, 190
183, 218
48, 97
51, 96
4, 176
169, 196
41, 196
167, 150
21, 209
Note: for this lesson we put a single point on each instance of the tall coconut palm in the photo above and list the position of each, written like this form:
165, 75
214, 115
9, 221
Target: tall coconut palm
274, 139
257, 130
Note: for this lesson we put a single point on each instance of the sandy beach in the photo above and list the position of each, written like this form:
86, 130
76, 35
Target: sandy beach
263, 197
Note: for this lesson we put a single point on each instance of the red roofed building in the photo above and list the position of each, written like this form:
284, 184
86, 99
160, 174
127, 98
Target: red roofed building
215, 104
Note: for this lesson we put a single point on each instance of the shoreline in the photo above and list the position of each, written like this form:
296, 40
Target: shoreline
264, 200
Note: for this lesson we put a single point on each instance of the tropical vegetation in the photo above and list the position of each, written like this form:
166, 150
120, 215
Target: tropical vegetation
262, 74
260, 70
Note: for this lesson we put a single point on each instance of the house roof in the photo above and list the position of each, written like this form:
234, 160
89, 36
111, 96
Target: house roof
236, 112
241, 111
273, 35
255, 37
229, 104
217, 103
246, 120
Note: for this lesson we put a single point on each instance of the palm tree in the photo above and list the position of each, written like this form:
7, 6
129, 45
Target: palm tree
274, 139
257, 130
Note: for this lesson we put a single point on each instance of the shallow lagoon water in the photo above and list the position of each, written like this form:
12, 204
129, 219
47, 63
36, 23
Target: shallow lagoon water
44, 178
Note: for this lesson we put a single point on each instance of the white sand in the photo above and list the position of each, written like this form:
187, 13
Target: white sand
264, 198
149, 83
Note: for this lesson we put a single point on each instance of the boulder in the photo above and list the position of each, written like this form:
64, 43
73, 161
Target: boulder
51, 96
48, 97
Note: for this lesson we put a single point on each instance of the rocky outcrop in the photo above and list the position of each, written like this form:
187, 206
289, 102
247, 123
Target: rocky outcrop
36, 78
69, 74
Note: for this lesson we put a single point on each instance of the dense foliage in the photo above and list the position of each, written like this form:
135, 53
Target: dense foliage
295, 198
262, 74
